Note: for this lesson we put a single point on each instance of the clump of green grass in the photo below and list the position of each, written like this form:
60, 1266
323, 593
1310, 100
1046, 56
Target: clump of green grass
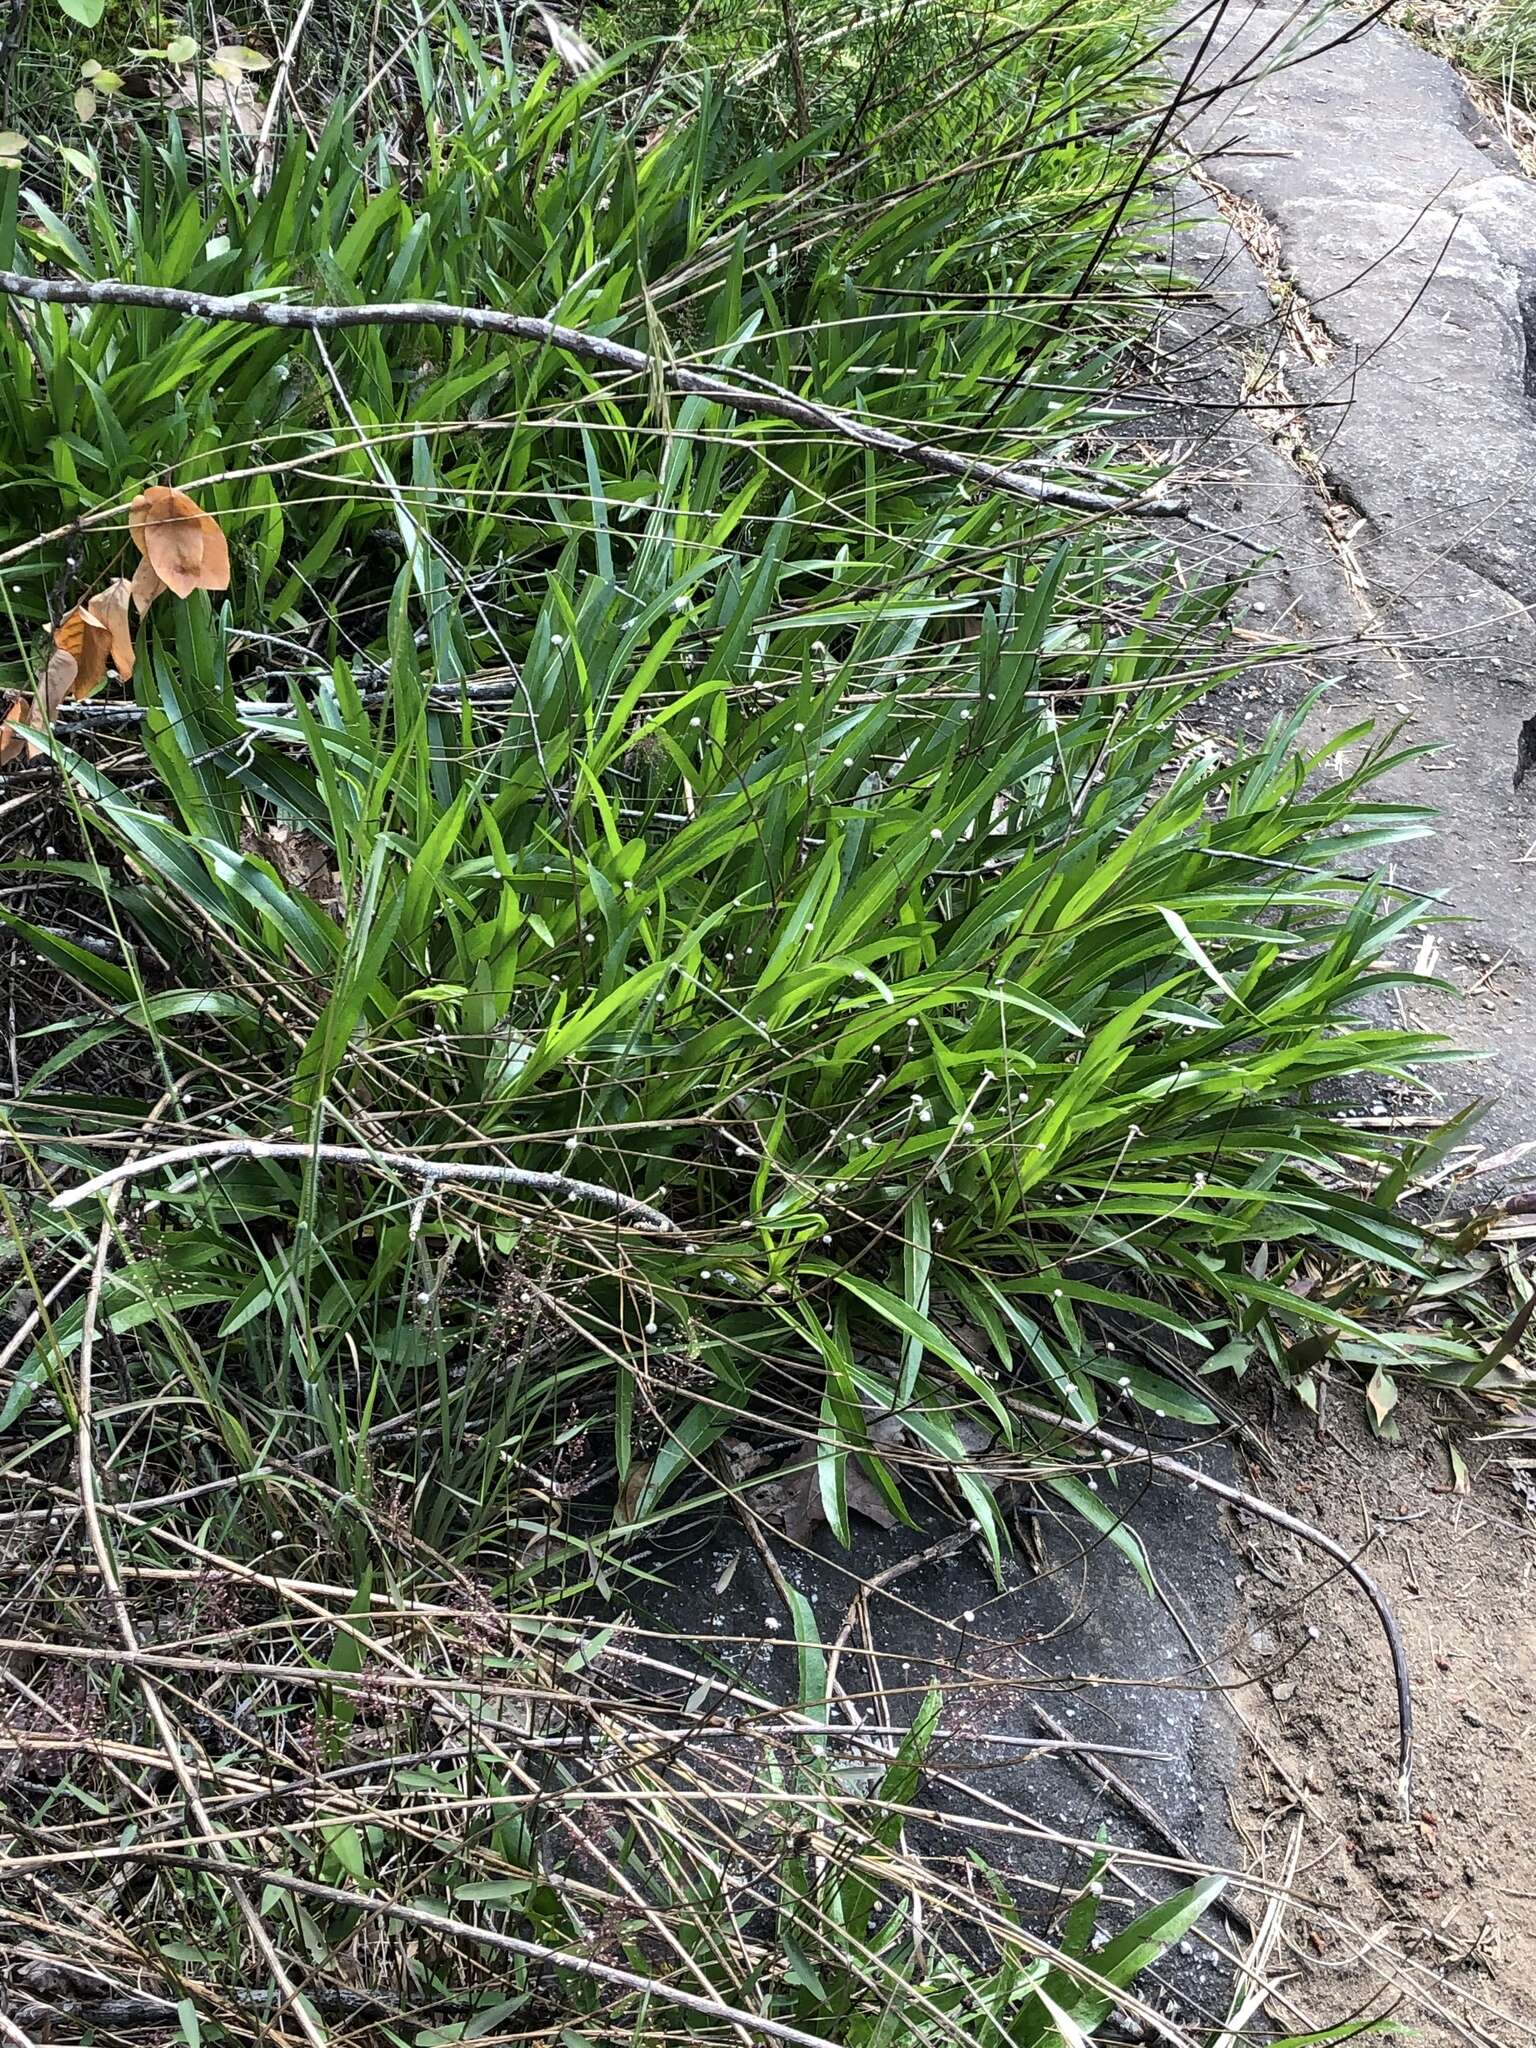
904, 999
1493, 43
758, 839
1500, 49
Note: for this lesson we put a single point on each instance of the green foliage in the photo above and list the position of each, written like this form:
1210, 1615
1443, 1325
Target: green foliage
566, 204
906, 1002
581, 779
1494, 43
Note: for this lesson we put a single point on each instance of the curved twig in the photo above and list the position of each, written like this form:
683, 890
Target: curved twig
359, 1155
1191, 1475
741, 392
155, 1706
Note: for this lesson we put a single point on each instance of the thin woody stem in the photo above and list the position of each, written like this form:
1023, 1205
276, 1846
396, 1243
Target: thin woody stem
753, 397
359, 1155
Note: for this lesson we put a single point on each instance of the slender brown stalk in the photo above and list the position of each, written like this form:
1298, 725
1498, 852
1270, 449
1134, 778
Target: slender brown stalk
753, 397
1236, 1496
159, 1714
429, 1170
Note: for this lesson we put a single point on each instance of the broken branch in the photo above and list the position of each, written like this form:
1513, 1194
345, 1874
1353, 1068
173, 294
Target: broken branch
429, 1170
753, 397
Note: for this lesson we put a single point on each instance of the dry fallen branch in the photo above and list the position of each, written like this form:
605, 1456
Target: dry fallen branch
429, 1170
110, 712
1191, 1475
155, 1702
754, 397
445, 1925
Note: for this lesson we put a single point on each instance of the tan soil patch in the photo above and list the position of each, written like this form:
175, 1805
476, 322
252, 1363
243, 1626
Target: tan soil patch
1433, 1919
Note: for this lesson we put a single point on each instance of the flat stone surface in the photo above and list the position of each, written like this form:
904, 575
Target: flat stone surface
1072, 1629
1407, 228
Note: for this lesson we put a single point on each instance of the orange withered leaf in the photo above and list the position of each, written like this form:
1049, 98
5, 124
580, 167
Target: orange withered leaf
84, 641
181, 542
58, 684
215, 574
14, 744
110, 606
146, 585
79, 666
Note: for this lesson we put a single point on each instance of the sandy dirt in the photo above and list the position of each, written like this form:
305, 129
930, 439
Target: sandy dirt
1364, 406
1433, 1918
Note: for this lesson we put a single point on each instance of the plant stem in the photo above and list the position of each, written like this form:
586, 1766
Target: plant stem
754, 397
360, 1155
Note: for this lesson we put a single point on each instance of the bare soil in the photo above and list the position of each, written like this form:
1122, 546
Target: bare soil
1432, 1918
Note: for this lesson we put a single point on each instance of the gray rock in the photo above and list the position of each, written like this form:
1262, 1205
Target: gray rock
1406, 227
1075, 1632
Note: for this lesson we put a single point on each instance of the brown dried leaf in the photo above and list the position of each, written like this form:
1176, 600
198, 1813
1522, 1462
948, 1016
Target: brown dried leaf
110, 607
635, 1481
166, 527
14, 744
147, 584
180, 540
804, 1509
83, 642
63, 680
79, 663
215, 574
548, 1549
215, 105
302, 861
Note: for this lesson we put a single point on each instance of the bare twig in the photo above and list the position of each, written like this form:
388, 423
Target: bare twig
92, 712
947, 1546
261, 169
1191, 1475
359, 1155
85, 1473
1144, 1810
754, 397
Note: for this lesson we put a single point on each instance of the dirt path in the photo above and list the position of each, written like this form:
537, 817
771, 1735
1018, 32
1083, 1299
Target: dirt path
1358, 385
1436, 1916
1356, 381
